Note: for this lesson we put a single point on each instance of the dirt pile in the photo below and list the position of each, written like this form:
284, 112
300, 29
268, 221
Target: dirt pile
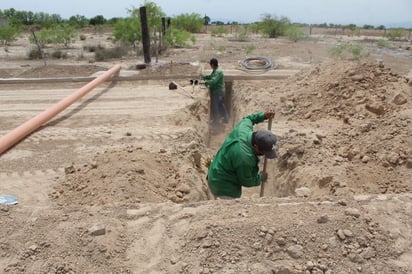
349, 128
129, 174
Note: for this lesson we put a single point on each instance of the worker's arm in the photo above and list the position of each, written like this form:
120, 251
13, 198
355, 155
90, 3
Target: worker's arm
255, 118
215, 78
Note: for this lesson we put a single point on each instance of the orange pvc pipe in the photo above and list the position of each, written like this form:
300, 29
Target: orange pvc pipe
17, 134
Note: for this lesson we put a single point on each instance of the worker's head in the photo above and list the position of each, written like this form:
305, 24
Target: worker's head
214, 63
264, 142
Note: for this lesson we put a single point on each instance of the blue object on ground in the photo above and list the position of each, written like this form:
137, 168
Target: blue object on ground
8, 200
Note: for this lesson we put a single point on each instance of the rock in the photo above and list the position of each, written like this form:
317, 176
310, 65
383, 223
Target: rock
281, 241
323, 219
69, 169
303, 192
325, 181
365, 159
392, 158
410, 82
97, 230
375, 108
347, 233
295, 251
399, 99
358, 78
309, 265
368, 253
183, 188
354, 212
340, 234
409, 163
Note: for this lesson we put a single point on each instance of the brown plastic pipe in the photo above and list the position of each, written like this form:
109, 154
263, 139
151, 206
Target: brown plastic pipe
17, 134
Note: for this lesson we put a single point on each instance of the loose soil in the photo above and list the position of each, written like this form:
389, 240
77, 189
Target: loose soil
116, 183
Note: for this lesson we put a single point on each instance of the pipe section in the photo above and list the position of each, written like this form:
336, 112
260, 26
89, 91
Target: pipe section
19, 133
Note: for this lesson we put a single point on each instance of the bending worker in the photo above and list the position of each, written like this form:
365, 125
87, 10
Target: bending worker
236, 162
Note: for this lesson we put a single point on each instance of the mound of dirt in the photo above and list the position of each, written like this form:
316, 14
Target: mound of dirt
349, 129
61, 71
129, 174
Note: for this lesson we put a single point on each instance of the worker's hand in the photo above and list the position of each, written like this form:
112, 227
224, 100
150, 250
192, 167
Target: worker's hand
264, 176
270, 114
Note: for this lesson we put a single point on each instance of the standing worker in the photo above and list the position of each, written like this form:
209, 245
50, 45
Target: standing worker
236, 162
216, 83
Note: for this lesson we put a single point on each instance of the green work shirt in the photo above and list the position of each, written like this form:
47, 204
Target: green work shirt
236, 164
215, 81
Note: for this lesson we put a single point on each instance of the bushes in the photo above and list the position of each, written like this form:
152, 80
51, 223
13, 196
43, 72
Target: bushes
189, 22
102, 54
59, 34
295, 33
395, 34
8, 33
179, 38
272, 27
348, 51
219, 31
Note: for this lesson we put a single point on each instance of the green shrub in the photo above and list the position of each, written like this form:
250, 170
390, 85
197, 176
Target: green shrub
82, 37
295, 33
348, 51
272, 27
58, 54
395, 34
189, 22
93, 48
179, 38
128, 31
34, 54
8, 33
58, 34
113, 53
382, 43
249, 48
219, 31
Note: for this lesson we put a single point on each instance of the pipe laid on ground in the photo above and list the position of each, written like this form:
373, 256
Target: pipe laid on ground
17, 134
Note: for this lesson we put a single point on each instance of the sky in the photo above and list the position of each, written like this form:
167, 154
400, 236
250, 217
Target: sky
359, 12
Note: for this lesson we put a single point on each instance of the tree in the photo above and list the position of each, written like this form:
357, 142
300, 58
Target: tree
272, 26
189, 22
206, 20
127, 31
78, 21
97, 20
154, 15
8, 33
58, 34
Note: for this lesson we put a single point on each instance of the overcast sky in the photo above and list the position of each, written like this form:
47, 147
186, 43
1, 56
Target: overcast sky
360, 12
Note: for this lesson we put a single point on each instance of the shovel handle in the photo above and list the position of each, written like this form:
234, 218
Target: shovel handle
265, 162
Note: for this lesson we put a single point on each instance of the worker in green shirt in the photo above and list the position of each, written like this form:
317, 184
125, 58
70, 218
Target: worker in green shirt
236, 162
216, 83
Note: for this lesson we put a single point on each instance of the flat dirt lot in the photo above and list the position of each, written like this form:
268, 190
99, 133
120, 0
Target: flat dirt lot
116, 182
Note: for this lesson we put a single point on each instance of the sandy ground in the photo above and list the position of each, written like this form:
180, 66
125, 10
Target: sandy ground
116, 183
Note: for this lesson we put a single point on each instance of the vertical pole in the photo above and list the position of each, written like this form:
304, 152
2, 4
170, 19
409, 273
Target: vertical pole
145, 35
163, 26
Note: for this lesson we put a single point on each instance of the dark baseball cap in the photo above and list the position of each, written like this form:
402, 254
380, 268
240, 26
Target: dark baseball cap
266, 141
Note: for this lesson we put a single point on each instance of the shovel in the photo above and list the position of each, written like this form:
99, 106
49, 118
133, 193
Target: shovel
186, 93
265, 162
